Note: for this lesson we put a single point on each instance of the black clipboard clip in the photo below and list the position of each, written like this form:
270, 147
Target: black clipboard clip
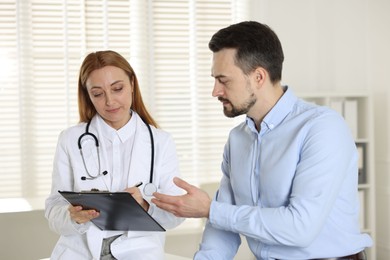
95, 190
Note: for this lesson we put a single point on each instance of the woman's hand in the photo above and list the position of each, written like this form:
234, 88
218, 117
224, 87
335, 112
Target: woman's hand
136, 193
81, 216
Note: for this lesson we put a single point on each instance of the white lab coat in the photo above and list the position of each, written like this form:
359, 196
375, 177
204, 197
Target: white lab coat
83, 241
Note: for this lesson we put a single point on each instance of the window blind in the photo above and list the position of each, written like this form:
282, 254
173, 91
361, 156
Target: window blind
10, 134
42, 44
183, 85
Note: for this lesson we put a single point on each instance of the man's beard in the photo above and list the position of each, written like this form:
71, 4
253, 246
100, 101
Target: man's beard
242, 109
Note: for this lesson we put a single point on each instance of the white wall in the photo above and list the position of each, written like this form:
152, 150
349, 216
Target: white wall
334, 45
325, 41
379, 71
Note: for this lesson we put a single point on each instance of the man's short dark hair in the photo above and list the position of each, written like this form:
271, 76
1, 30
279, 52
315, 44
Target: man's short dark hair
256, 45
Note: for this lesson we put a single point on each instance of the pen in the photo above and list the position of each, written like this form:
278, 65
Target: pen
138, 184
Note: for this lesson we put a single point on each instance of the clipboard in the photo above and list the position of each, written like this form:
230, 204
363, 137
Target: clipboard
118, 210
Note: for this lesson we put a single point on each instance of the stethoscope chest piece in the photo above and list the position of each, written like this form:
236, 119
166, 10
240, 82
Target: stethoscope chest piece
149, 189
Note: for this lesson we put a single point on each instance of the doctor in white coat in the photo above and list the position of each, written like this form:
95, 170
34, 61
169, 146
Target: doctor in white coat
112, 110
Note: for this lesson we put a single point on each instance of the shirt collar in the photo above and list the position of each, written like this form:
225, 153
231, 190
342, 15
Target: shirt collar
124, 133
276, 115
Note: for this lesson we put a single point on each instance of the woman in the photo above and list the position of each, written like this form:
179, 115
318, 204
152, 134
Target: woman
110, 108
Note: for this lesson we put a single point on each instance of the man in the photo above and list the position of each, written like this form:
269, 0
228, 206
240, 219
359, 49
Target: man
290, 172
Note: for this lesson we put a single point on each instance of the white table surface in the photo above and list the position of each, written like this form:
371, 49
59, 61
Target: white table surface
175, 257
167, 257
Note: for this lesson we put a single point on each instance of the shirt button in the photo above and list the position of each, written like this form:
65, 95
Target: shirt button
271, 126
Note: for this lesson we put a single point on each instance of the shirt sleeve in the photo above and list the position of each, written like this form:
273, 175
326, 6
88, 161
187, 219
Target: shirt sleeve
218, 243
56, 207
327, 156
167, 167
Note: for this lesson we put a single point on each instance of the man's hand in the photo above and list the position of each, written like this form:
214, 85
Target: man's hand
194, 204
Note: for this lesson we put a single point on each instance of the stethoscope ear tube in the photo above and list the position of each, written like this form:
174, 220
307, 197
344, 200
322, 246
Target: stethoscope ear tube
83, 178
98, 155
85, 134
152, 152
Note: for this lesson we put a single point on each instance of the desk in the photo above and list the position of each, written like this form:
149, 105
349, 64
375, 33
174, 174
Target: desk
175, 257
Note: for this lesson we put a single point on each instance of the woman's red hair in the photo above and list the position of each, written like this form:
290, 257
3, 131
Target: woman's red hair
98, 60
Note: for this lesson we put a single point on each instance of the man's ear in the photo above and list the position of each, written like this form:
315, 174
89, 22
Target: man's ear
260, 75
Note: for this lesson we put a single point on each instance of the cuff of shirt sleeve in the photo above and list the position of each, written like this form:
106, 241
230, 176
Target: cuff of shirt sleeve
148, 199
220, 215
81, 228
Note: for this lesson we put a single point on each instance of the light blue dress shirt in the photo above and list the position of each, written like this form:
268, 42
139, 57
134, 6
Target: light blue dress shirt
290, 189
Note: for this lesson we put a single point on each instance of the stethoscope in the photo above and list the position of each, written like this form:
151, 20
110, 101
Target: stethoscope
149, 188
